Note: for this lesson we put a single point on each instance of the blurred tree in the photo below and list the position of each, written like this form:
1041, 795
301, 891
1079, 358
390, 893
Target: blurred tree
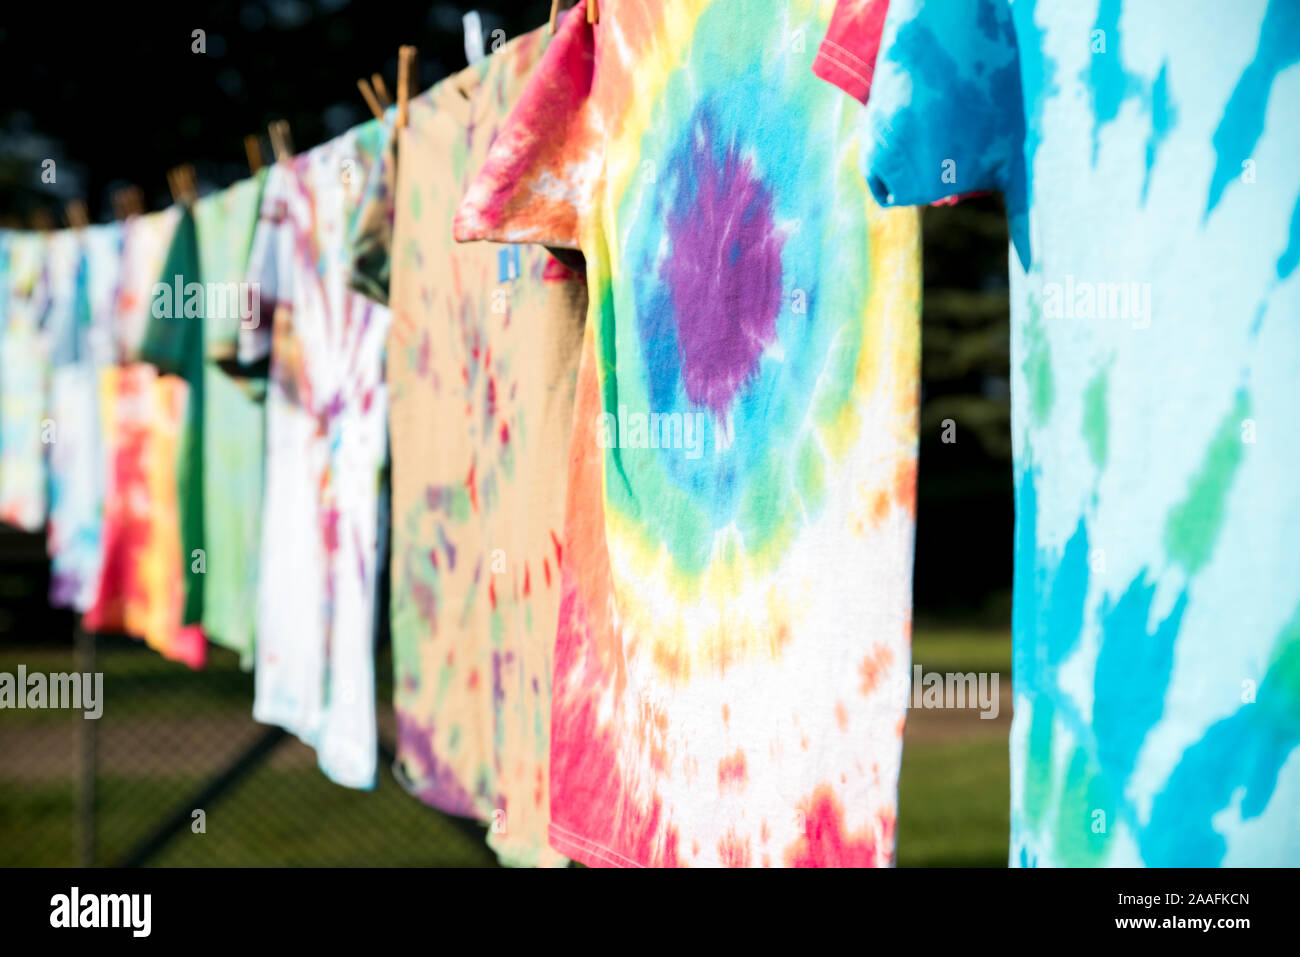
122, 93
965, 510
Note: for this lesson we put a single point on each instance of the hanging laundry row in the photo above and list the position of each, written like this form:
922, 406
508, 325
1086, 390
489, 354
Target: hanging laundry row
609, 345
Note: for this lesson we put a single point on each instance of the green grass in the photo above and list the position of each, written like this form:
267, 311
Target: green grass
274, 818
139, 683
963, 649
38, 825
954, 795
953, 799
327, 826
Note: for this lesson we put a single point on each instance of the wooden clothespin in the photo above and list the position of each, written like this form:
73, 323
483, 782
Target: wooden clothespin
183, 184
76, 214
281, 142
556, 6
372, 101
406, 79
42, 220
128, 201
593, 12
253, 150
381, 90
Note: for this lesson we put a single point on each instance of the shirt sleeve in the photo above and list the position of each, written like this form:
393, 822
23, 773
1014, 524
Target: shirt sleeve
540, 174
945, 114
847, 56
266, 262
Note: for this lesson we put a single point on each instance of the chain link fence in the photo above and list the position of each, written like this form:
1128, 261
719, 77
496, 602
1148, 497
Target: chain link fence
176, 772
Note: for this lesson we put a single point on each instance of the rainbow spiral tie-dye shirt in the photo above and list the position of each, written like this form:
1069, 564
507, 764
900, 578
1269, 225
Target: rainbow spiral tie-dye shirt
732, 655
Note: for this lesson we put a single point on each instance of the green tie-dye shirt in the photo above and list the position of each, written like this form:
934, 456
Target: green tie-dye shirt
199, 306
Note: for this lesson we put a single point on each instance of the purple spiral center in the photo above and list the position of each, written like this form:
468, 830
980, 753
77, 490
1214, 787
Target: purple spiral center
723, 272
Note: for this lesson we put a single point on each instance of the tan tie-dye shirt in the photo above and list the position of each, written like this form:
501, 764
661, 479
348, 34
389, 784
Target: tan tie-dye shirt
482, 362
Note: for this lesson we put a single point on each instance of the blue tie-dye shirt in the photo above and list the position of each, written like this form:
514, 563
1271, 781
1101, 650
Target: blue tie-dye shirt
1147, 154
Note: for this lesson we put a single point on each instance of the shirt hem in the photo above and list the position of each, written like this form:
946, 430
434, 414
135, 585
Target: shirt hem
841, 68
438, 800
586, 851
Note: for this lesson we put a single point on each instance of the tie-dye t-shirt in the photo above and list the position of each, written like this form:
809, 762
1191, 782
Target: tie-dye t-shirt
24, 381
76, 463
79, 339
69, 406
143, 417
220, 474
482, 362
1149, 164
326, 444
733, 648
